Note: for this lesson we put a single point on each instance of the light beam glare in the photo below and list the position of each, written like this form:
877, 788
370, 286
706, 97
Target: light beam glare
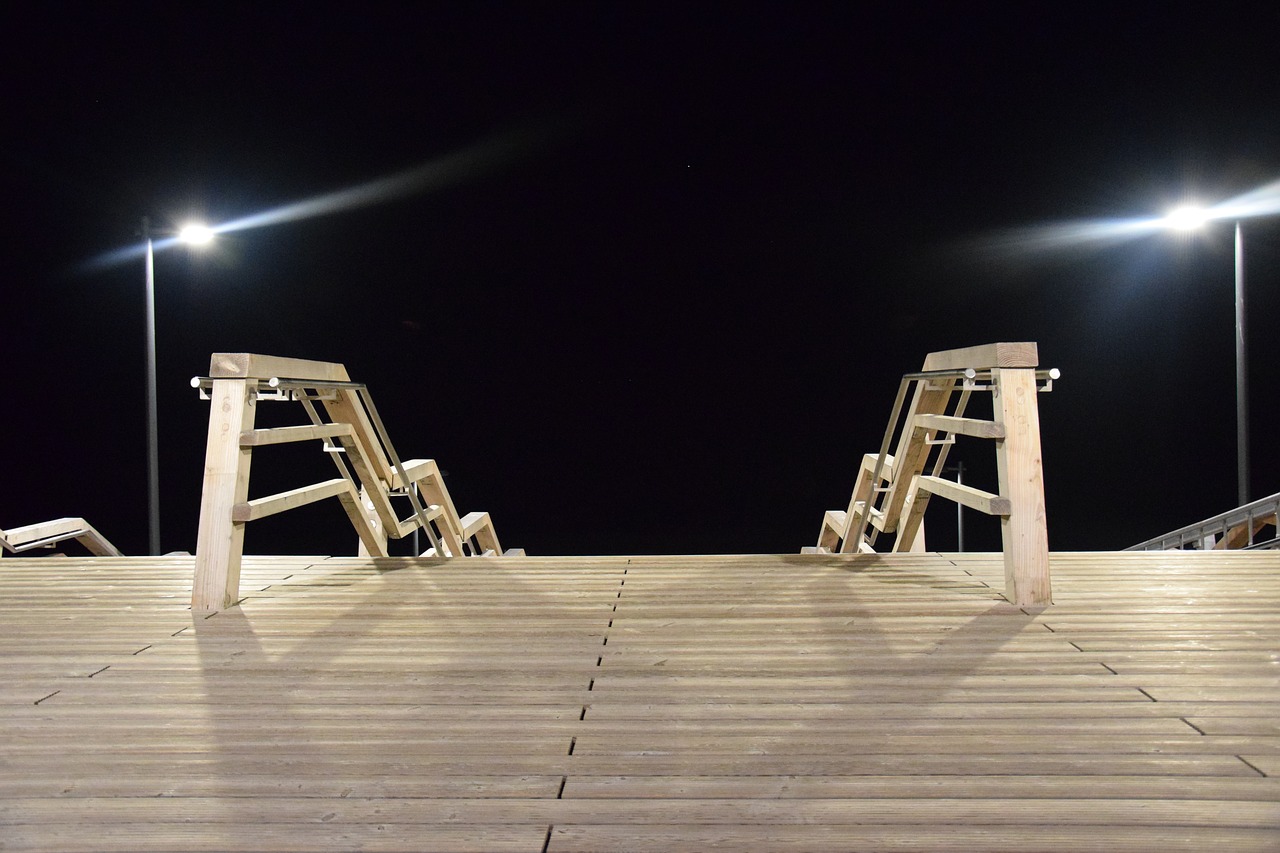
451, 169
124, 255
1263, 201
1064, 235
1081, 233
454, 168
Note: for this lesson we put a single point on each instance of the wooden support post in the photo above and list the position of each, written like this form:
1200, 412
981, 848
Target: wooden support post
220, 540
911, 526
379, 532
1024, 530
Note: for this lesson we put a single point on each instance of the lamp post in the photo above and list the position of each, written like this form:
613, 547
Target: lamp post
194, 235
1188, 218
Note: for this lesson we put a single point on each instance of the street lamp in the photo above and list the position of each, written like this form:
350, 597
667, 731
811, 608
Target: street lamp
192, 235
1190, 218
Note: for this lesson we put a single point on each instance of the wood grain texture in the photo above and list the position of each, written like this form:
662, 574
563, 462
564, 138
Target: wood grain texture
1024, 530
220, 539
247, 365
985, 356
823, 702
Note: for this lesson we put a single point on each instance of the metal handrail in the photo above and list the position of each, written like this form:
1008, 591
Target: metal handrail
1251, 515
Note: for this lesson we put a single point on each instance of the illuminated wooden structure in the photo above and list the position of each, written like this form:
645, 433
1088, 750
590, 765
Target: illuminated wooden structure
47, 534
892, 491
343, 417
831, 701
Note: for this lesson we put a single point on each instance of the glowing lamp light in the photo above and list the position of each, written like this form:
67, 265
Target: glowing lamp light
196, 235
1187, 218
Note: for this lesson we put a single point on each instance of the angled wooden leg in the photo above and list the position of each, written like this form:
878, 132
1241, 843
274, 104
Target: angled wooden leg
1024, 531
220, 541
372, 535
911, 526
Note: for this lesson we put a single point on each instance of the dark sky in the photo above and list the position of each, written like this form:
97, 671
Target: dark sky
675, 316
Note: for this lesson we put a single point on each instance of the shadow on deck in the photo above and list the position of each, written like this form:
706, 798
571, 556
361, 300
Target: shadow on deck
652, 703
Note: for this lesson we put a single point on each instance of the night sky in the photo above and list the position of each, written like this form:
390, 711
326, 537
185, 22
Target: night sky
659, 290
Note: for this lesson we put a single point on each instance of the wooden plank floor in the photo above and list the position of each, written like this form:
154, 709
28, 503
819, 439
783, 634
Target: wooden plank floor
768, 703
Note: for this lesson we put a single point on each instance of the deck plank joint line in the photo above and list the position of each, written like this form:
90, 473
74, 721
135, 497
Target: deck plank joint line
1248, 764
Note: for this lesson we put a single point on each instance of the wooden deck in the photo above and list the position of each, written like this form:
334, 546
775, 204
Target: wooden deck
700, 703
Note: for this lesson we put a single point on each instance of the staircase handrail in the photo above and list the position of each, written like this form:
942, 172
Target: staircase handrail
1234, 529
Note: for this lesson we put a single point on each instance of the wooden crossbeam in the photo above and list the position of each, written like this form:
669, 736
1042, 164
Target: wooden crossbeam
961, 426
286, 435
292, 499
969, 496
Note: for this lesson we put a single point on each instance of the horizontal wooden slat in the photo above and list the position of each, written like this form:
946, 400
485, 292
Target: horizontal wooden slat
967, 495
956, 836
292, 499
629, 703
961, 426
285, 435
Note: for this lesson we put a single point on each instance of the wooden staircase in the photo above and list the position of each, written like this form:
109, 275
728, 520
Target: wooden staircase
342, 415
892, 491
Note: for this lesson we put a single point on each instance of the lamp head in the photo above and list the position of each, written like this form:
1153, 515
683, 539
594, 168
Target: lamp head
196, 234
1186, 218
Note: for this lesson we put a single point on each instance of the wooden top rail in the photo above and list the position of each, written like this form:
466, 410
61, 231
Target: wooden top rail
247, 365
1025, 354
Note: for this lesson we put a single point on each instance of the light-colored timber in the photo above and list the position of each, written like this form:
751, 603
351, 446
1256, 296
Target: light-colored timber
827, 702
891, 492
372, 472
47, 534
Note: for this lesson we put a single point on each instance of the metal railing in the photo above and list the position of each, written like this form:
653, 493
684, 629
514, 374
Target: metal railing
1235, 529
